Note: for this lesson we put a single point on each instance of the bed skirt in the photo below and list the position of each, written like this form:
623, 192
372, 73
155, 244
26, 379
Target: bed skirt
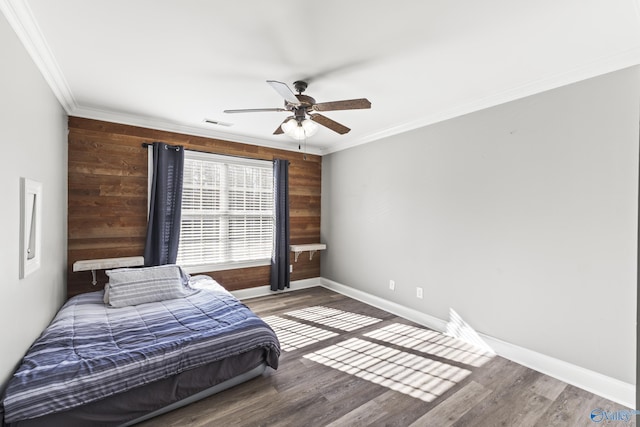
145, 402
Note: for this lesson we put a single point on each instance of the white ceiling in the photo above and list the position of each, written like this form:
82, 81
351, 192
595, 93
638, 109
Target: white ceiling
169, 64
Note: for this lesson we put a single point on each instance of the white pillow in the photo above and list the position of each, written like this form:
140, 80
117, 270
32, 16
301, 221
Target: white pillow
133, 286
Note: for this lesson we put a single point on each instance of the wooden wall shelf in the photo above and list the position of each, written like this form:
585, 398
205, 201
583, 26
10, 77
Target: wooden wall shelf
312, 248
106, 263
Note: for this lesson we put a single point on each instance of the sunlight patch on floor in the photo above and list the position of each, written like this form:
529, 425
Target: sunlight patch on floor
294, 335
404, 372
431, 343
333, 318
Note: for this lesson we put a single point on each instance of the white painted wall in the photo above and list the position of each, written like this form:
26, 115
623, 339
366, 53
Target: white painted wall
522, 218
33, 139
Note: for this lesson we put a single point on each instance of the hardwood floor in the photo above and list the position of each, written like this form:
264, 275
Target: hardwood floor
350, 364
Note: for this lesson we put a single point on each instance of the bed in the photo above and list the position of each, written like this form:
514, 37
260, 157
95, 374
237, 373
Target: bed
109, 359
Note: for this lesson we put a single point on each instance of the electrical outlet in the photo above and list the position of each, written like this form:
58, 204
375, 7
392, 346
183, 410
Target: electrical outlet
290, 268
392, 285
419, 293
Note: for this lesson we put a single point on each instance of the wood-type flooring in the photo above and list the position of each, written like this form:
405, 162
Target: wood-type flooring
345, 363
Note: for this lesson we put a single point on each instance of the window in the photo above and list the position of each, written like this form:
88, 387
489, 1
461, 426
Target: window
227, 213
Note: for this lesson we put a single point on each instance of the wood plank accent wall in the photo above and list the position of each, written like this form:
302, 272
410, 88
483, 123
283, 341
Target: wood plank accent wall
107, 212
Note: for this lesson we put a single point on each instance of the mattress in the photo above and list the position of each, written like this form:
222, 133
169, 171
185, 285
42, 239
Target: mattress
91, 353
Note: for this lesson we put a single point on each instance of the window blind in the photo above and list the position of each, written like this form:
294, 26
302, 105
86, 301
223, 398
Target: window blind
227, 212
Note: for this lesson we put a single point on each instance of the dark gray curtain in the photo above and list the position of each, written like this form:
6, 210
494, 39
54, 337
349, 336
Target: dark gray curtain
280, 254
163, 228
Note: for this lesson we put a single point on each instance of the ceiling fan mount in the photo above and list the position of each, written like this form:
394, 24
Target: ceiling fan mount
304, 109
300, 86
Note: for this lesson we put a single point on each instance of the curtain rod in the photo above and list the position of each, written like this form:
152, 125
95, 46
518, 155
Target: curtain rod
146, 144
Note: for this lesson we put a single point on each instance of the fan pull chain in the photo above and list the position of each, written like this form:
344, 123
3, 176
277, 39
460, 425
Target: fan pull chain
304, 152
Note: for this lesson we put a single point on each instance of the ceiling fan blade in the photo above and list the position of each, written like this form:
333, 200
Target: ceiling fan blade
284, 91
348, 104
331, 124
255, 110
279, 131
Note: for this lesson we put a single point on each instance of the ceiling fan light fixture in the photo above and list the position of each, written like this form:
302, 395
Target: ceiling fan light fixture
299, 130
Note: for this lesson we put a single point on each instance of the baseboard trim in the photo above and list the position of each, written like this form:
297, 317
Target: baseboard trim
386, 305
586, 379
262, 291
594, 382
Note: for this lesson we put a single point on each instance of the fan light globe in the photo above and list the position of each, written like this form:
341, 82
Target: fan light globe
299, 131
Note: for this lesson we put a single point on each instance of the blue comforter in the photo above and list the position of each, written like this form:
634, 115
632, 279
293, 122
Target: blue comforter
91, 351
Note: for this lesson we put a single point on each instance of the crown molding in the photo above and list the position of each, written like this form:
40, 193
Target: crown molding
593, 69
157, 124
20, 17
596, 68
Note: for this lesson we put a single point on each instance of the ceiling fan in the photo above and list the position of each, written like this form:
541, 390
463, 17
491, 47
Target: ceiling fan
302, 123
